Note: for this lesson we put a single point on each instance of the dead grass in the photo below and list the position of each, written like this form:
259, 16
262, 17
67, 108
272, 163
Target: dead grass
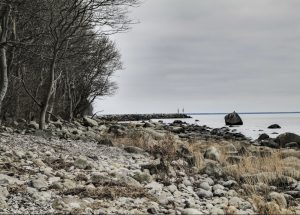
254, 165
263, 172
274, 164
268, 208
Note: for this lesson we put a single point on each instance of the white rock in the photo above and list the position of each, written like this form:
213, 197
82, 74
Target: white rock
3, 192
155, 187
278, 198
190, 211
172, 188
218, 187
209, 181
39, 183
217, 211
5, 179
205, 185
235, 201
204, 193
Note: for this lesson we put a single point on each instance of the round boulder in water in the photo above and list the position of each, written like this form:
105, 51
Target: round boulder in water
274, 126
233, 119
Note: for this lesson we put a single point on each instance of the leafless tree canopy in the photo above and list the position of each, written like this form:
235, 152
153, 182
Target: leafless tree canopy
56, 57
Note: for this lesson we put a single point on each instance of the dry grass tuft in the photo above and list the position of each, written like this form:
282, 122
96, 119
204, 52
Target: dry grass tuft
271, 166
254, 165
268, 208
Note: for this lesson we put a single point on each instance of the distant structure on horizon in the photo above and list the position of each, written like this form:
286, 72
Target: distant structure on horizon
178, 111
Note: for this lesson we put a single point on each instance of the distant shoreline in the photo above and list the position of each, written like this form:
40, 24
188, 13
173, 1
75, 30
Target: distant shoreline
141, 117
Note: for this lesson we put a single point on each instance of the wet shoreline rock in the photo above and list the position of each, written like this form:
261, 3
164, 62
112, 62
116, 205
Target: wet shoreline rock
233, 119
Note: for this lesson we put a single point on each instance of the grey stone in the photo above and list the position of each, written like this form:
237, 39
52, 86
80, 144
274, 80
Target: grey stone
39, 183
3, 192
69, 184
172, 188
204, 193
155, 187
212, 153
230, 183
217, 187
209, 181
216, 211
278, 198
213, 169
187, 182
235, 201
220, 192
82, 163
89, 122
233, 119
5, 179
177, 130
285, 138
142, 177
205, 186
269, 143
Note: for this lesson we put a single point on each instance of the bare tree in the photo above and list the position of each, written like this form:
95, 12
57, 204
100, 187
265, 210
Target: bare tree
62, 58
4, 27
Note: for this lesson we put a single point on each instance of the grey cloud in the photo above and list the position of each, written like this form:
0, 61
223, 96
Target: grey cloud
210, 55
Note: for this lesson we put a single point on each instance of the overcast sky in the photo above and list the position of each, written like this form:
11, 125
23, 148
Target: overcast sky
209, 56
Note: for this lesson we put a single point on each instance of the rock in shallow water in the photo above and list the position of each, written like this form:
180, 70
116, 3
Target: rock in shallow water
274, 126
233, 119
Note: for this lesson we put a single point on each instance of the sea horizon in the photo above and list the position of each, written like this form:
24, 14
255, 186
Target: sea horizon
244, 113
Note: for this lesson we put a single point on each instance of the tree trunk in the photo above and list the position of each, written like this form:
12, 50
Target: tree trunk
3, 58
70, 99
45, 104
51, 104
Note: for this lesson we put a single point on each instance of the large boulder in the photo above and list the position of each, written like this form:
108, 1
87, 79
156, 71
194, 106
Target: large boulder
286, 138
233, 119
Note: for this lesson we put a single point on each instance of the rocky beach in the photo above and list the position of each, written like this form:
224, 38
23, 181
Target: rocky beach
94, 166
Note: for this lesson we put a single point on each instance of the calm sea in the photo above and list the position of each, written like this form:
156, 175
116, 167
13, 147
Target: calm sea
254, 124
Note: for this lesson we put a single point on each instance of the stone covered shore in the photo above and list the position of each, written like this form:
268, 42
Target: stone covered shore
102, 167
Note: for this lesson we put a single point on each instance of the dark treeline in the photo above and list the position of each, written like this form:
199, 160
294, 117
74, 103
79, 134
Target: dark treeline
56, 56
